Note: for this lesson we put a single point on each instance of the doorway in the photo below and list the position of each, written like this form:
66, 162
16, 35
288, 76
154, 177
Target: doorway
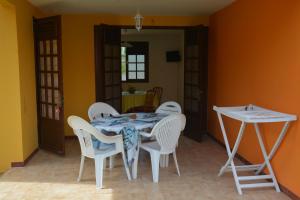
146, 62
109, 85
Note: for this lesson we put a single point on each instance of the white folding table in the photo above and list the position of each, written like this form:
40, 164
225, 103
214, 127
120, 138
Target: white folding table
252, 114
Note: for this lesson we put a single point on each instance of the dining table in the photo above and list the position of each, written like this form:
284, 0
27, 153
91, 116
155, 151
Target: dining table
129, 125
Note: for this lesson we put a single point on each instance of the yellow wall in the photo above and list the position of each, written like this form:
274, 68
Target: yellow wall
22, 100
24, 14
78, 54
254, 58
10, 101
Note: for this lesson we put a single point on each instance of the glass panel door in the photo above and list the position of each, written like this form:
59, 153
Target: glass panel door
108, 65
49, 83
195, 81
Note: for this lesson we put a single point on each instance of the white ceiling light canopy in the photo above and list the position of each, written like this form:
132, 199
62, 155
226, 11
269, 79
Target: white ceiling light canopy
138, 18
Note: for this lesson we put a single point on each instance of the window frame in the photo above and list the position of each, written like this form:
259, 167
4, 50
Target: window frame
139, 48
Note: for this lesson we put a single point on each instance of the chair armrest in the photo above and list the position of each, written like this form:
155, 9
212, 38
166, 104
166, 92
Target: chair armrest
109, 139
145, 134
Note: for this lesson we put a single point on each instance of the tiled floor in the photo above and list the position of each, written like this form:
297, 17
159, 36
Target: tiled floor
48, 176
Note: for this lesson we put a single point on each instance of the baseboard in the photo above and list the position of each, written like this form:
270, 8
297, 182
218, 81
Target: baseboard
285, 190
22, 164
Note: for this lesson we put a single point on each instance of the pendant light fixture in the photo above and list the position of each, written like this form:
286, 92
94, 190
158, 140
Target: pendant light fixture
138, 18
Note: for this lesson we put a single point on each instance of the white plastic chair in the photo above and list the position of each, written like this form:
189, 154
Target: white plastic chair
167, 132
98, 110
83, 130
169, 107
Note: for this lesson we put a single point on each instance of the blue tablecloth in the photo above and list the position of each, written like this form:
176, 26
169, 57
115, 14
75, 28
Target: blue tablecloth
129, 126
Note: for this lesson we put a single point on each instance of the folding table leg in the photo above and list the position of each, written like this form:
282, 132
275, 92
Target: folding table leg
275, 147
263, 149
232, 153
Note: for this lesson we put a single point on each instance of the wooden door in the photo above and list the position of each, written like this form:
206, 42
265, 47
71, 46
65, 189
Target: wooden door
49, 84
108, 65
195, 81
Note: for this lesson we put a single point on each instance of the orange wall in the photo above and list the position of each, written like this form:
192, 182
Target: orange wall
254, 58
78, 54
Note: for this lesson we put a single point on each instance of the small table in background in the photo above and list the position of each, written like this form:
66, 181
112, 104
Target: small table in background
132, 100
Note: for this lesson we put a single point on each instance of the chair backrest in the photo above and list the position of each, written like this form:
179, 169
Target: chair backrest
168, 130
158, 93
99, 109
149, 99
169, 107
84, 131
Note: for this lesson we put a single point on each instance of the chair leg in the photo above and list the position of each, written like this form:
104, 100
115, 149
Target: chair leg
99, 164
176, 164
111, 162
167, 160
81, 168
104, 163
162, 161
178, 140
126, 166
155, 165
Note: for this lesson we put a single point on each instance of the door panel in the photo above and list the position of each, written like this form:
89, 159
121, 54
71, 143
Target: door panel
108, 65
195, 81
49, 85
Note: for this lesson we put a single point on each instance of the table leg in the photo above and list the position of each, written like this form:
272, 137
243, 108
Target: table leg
275, 147
263, 149
232, 153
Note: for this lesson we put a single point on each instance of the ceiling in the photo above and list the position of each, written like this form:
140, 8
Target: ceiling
129, 7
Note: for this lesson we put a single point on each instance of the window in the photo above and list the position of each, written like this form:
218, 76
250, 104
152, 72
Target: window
134, 66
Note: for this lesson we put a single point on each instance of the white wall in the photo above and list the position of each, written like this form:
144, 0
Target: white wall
168, 75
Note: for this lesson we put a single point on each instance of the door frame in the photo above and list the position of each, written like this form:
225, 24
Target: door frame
183, 28
34, 21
